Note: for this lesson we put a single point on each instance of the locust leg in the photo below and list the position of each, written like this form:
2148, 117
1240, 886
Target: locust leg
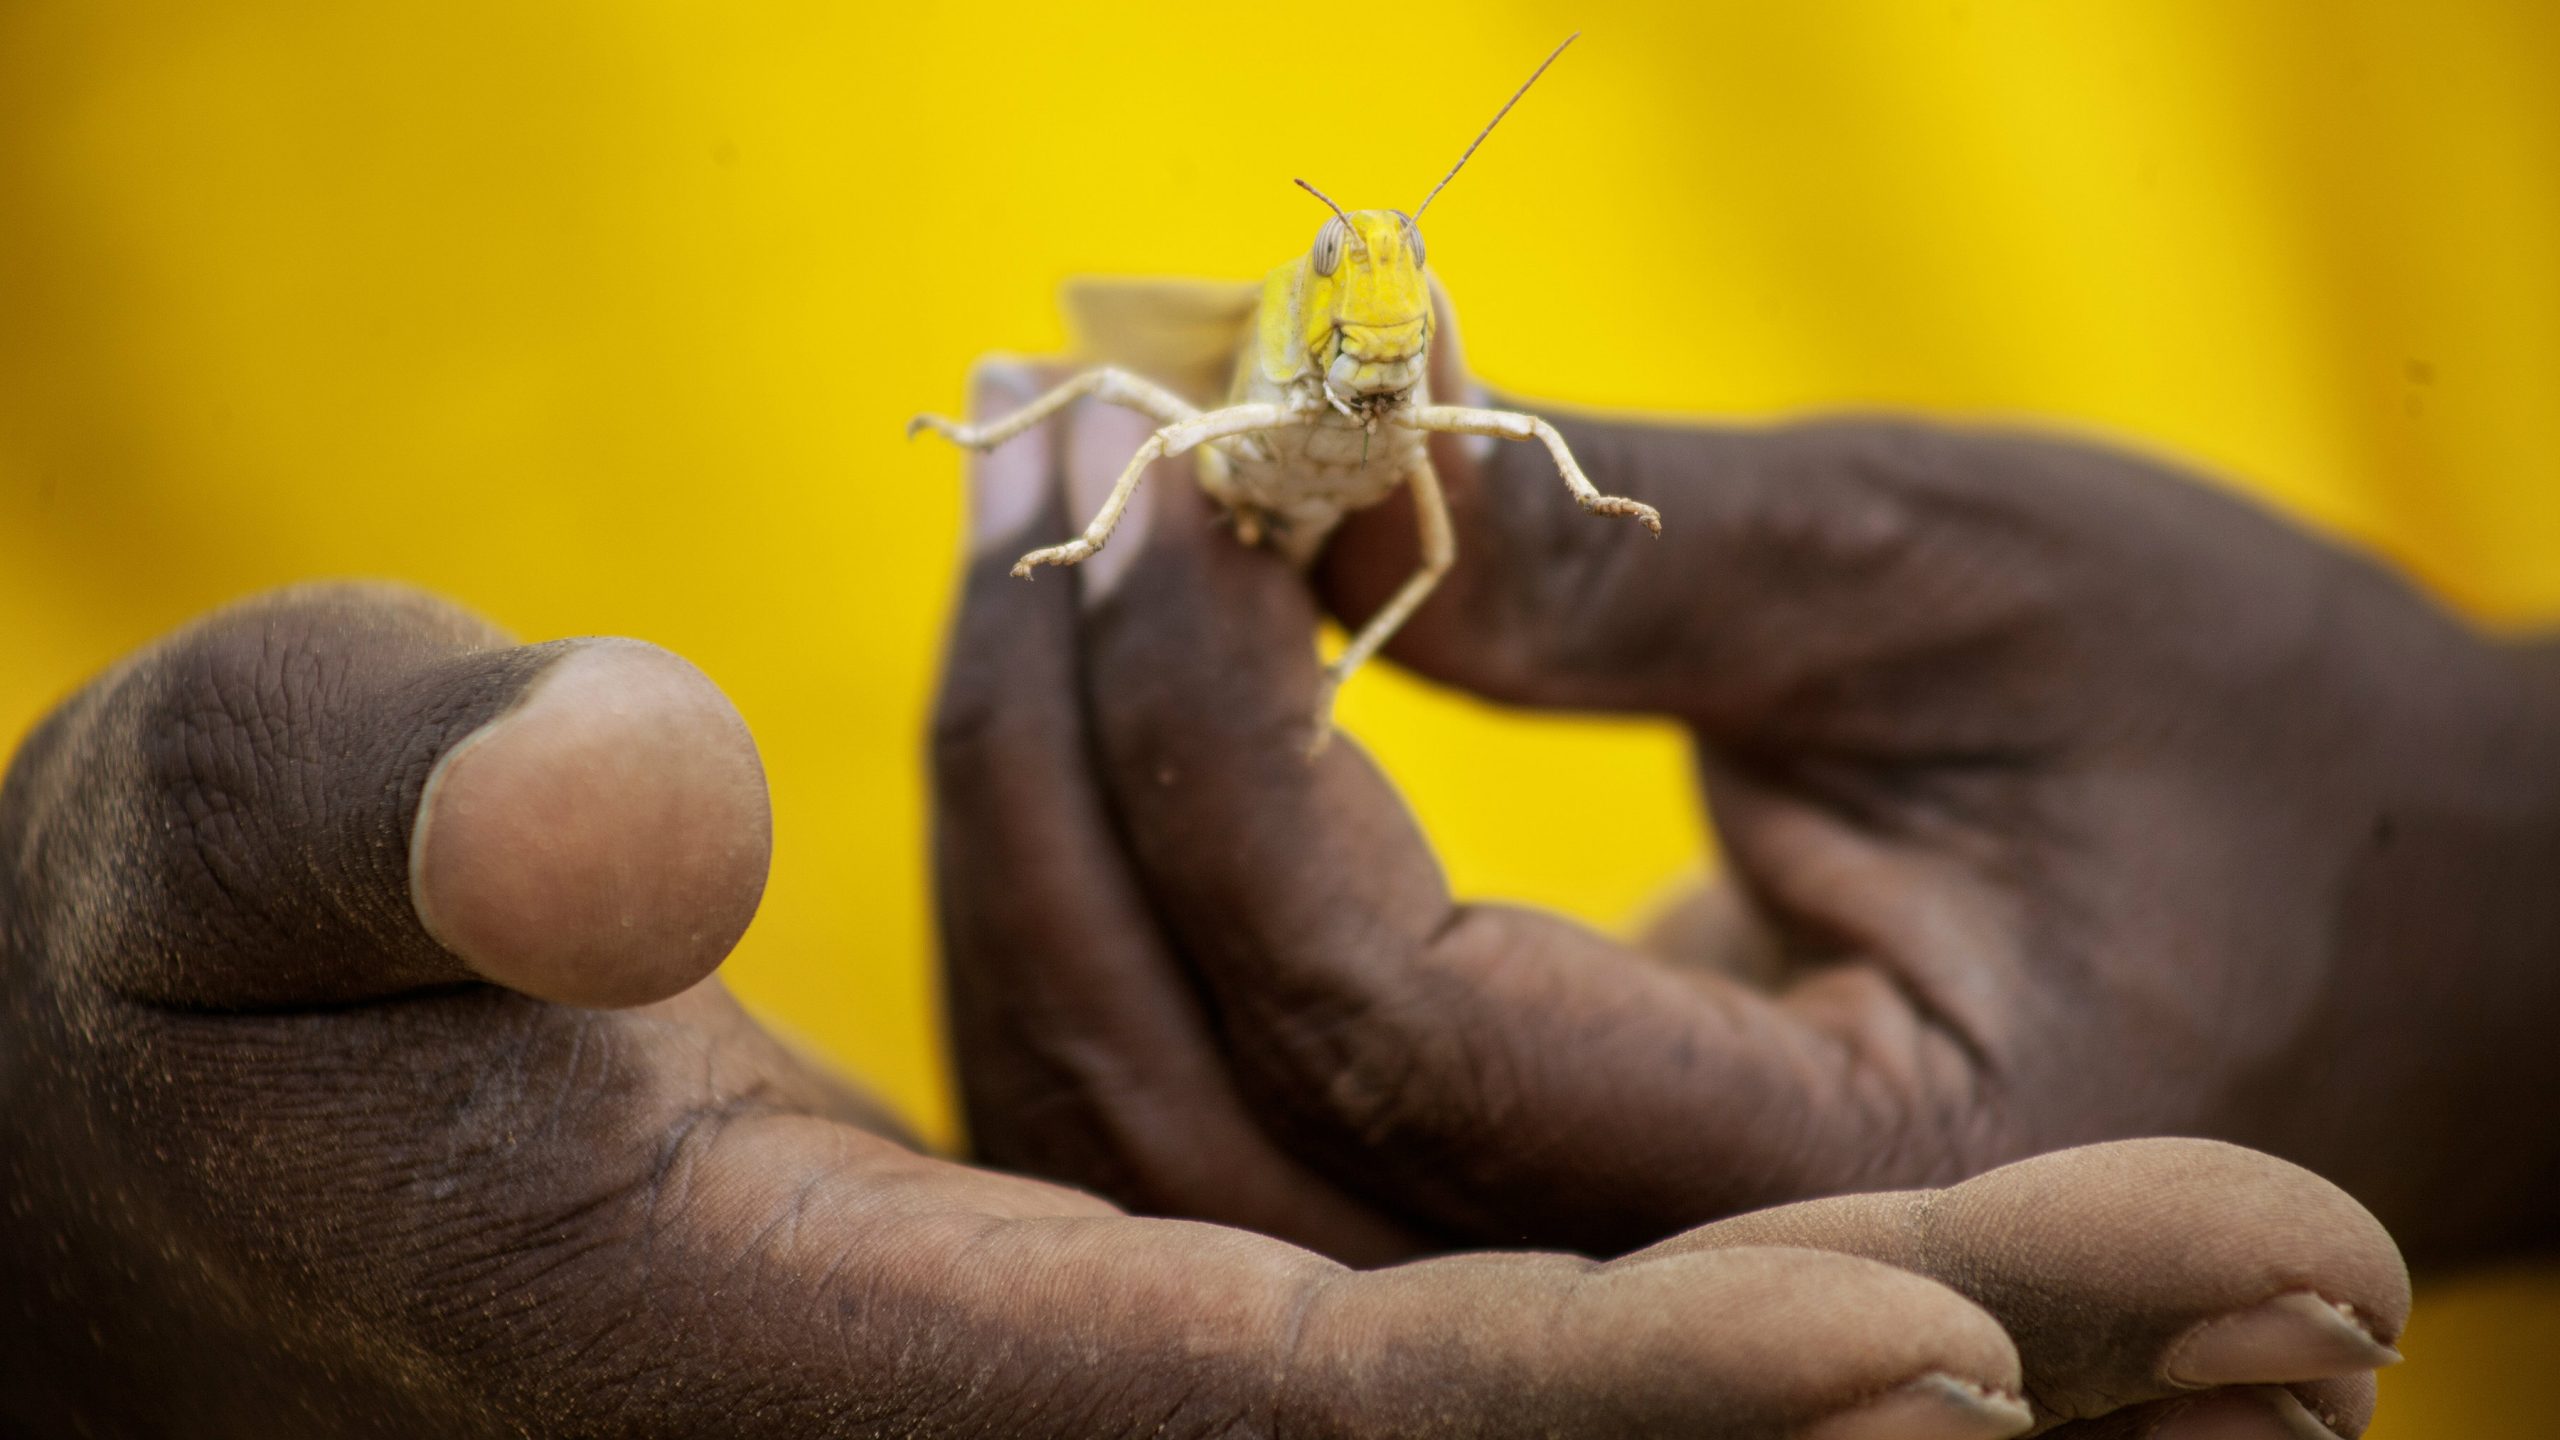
1169, 440
1512, 425
1110, 385
1439, 552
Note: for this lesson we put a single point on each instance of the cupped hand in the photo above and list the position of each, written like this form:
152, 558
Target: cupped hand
2063, 799
2016, 869
362, 1078
1192, 970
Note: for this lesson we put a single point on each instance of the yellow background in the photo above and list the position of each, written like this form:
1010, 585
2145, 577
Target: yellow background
603, 317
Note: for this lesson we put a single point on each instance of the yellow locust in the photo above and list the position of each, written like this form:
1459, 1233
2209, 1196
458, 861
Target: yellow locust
1326, 399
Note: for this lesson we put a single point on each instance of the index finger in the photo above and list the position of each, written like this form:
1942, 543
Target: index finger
1908, 554
1084, 1052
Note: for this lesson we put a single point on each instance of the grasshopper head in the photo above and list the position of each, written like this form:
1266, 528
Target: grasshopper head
1368, 310
1361, 307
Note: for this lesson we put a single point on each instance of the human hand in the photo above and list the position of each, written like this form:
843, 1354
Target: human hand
1106, 1012
320, 1123
2062, 800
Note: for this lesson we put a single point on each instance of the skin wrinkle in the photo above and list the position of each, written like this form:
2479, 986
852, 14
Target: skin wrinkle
556, 1112
1318, 1290
1935, 966
1978, 1064
1893, 1103
1414, 1089
253, 1294
211, 1047
209, 719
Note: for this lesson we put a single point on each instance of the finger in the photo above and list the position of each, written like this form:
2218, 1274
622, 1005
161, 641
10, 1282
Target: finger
1084, 1052
2140, 1271
1790, 557
335, 793
1498, 1072
472, 1213
1208, 1329
960, 1303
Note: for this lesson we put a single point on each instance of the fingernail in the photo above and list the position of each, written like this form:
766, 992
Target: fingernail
602, 843
2300, 1336
2268, 1413
1097, 452
1005, 483
1933, 1407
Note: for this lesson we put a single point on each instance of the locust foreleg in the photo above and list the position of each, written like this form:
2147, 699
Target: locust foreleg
1170, 440
1110, 385
1512, 425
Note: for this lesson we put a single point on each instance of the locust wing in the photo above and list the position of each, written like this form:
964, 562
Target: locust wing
1185, 335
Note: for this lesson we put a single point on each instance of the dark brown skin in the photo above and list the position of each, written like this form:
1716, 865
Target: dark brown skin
320, 1124
2064, 799
293, 1150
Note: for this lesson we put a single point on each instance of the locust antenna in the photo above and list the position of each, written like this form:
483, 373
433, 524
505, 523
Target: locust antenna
1488, 128
1361, 245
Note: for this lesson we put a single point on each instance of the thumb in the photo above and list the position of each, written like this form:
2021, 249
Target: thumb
336, 793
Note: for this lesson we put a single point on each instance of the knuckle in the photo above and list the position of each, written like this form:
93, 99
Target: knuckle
1367, 1087
233, 739
1842, 498
1389, 1078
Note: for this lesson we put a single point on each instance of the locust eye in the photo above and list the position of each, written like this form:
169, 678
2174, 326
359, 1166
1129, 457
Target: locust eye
1412, 236
1328, 255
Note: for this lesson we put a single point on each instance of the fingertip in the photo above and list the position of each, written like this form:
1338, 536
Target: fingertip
603, 842
1448, 367
2226, 1267
1008, 484
1099, 449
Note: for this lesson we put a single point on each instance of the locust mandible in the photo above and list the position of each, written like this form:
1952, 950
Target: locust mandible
1326, 408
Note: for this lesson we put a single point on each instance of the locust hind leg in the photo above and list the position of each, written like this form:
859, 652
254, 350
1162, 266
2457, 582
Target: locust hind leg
1111, 385
1512, 425
1439, 552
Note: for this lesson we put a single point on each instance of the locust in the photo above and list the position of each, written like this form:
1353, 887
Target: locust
1327, 401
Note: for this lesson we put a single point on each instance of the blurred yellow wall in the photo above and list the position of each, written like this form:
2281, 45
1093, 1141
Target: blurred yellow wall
603, 317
